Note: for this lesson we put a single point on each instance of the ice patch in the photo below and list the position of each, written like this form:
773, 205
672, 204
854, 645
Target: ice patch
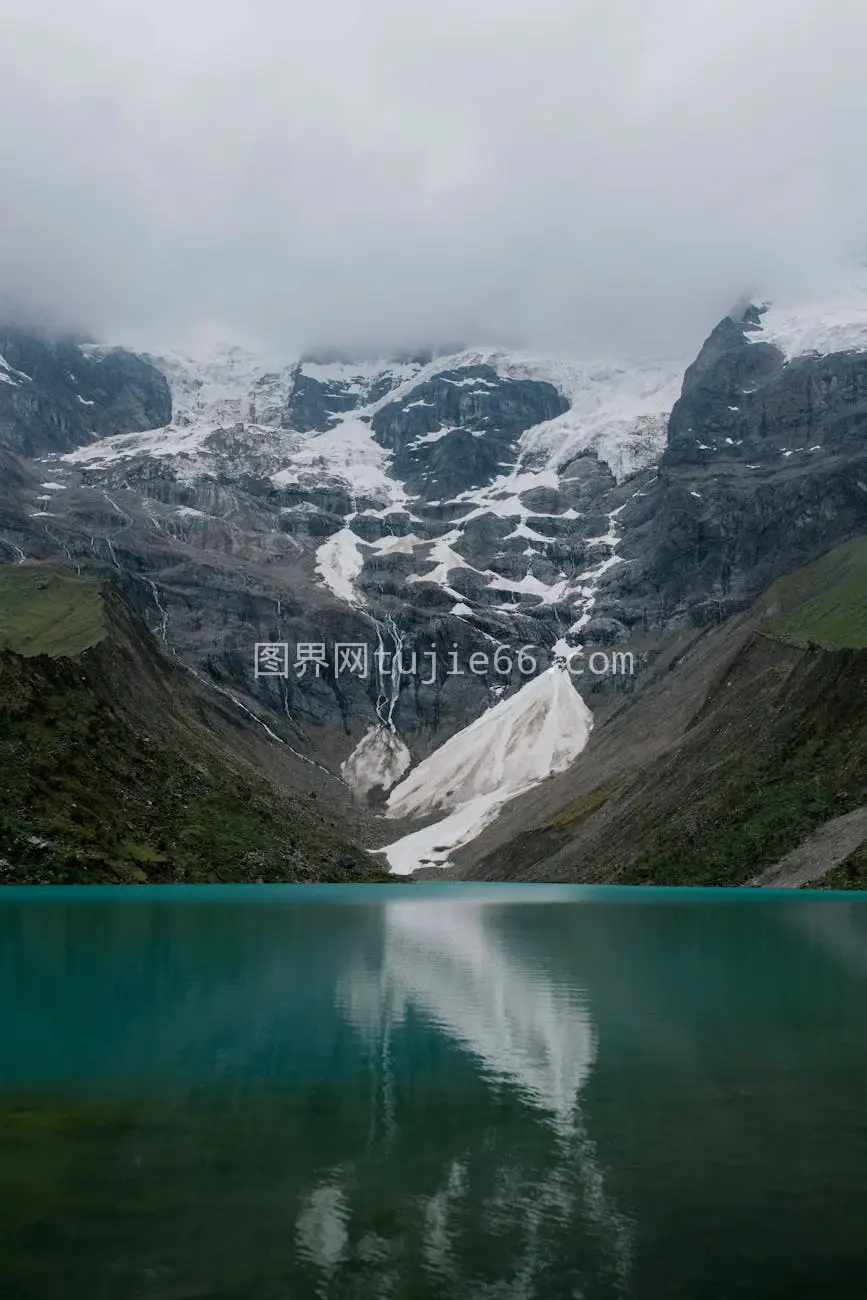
357, 376
349, 454
378, 761
339, 563
445, 560
9, 375
833, 322
530, 586
434, 845
393, 545
435, 436
538, 731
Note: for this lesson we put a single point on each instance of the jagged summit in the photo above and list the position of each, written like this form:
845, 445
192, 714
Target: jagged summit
456, 501
820, 324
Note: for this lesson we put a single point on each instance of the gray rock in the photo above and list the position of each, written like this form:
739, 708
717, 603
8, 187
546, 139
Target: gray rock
59, 395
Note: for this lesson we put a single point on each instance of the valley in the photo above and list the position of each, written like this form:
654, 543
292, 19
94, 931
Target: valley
434, 507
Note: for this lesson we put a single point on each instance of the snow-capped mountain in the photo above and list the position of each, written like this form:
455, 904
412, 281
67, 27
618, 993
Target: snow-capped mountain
432, 508
384, 435
834, 321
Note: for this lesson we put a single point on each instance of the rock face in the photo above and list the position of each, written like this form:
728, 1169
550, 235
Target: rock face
765, 468
728, 766
458, 429
328, 385
394, 503
56, 395
432, 508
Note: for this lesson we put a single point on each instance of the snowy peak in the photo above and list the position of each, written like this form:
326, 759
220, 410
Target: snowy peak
226, 411
227, 386
615, 409
472, 482
834, 321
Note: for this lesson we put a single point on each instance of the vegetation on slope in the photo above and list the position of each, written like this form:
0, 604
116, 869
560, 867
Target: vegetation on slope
824, 604
777, 748
763, 771
114, 766
50, 612
851, 872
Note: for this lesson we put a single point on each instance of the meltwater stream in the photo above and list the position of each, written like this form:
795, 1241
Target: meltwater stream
433, 1091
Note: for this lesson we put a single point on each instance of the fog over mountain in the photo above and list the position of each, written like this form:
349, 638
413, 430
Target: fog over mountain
558, 174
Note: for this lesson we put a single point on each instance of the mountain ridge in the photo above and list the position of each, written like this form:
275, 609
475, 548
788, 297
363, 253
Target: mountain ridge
453, 503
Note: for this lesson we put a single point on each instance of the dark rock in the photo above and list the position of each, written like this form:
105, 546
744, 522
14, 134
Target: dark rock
744, 496
58, 395
455, 431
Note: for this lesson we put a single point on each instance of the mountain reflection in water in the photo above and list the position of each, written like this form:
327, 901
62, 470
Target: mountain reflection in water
431, 1093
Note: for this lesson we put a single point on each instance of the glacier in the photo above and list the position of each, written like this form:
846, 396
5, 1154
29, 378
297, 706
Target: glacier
522, 740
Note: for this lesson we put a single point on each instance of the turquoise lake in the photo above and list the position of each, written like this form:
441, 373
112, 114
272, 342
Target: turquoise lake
432, 1091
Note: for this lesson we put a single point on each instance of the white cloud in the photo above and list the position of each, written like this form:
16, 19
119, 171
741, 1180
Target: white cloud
577, 175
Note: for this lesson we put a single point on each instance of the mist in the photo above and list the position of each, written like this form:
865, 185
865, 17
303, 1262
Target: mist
602, 179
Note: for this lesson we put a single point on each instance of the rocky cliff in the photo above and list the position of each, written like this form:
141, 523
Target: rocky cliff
436, 507
765, 467
725, 763
57, 394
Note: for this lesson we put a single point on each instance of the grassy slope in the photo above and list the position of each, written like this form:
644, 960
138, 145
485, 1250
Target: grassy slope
115, 767
49, 612
824, 604
778, 748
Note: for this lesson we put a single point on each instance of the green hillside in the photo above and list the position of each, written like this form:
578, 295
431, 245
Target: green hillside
49, 612
115, 765
824, 604
773, 746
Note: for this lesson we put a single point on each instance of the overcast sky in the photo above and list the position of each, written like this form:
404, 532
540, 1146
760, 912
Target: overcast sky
597, 178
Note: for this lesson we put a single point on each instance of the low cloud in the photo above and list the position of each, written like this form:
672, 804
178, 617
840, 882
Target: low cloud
595, 179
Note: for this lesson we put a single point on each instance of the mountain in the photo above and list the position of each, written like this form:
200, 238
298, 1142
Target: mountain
441, 510
435, 507
117, 766
56, 393
722, 770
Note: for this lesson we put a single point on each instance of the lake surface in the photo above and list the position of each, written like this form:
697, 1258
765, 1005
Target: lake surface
432, 1091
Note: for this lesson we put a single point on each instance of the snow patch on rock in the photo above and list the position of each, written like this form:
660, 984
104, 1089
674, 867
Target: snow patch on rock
377, 762
9, 375
339, 562
348, 454
538, 731
618, 409
835, 321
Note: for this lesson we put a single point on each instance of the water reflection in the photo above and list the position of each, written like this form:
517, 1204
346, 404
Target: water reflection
453, 966
458, 969
418, 1096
